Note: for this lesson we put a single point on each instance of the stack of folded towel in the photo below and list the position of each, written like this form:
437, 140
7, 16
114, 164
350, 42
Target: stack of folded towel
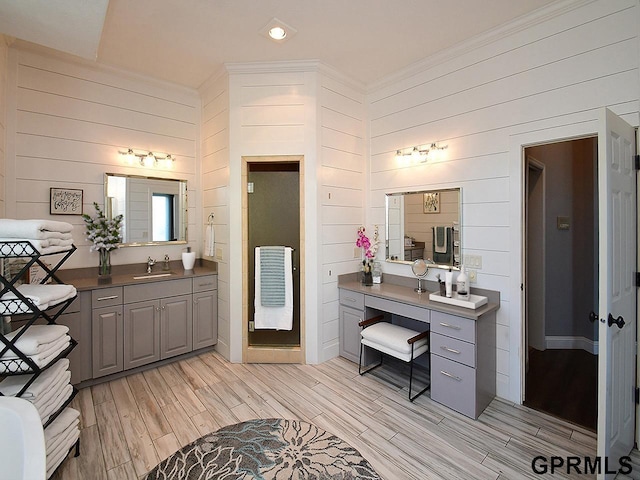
60, 436
40, 297
41, 343
46, 236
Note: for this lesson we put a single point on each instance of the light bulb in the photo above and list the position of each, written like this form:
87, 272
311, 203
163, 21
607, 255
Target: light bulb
149, 161
277, 33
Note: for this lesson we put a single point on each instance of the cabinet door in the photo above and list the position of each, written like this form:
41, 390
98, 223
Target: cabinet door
141, 333
176, 324
205, 319
350, 333
106, 340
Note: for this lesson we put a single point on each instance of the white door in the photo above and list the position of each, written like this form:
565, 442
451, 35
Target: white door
617, 294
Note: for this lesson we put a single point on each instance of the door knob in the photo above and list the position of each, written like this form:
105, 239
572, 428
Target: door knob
592, 316
618, 321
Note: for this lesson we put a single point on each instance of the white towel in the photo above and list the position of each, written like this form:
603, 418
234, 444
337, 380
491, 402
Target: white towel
54, 405
55, 458
210, 241
37, 338
274, 318
61, 381
441, 247
37, 229
66, 419
42, 296
54, 445
10, 386
11, 364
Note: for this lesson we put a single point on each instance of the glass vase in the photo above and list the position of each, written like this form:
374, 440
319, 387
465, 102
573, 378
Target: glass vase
104, 267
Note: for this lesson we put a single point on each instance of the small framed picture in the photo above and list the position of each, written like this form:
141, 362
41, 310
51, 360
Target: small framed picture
431, 202
65, 201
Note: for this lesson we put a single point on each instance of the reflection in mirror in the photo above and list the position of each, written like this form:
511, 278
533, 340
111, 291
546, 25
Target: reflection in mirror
424, 225
154, 209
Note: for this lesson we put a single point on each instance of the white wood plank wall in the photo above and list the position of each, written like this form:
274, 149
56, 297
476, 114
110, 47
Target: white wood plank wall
70, 121
342, 192
558, 71
215, 189
4, 54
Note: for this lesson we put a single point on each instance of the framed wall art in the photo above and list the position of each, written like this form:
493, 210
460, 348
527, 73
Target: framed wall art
65, 201
431, 202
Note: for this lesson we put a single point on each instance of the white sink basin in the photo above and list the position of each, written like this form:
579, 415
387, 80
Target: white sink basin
22, 449
153, 275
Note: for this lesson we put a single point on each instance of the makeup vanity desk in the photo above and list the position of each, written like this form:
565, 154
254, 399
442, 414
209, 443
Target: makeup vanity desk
462, 354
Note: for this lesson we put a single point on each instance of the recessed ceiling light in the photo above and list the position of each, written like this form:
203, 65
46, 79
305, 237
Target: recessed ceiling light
277, 30
277, 33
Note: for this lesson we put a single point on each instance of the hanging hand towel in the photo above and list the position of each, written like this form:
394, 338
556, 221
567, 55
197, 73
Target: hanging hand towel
441, 244
274, 318
210, 241
272, 276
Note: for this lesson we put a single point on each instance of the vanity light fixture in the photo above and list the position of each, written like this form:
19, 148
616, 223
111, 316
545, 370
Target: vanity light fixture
277, 30
420, 155
147, 160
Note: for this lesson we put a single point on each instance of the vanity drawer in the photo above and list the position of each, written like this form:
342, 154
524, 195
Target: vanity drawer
205, 283
352, 299
453, 349
106, 297
453, 385
155, 290
453, 326
399, 308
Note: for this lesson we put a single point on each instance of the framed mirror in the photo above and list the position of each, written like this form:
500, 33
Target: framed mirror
424, 225
154, 210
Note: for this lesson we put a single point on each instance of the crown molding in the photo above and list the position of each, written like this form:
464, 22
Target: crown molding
498, 33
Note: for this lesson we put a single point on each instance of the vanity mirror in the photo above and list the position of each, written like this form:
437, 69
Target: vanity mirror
424, 225
154, 209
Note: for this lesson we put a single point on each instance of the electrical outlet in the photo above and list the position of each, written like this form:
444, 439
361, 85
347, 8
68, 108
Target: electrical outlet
473, 276
472, 261
218, 254
356, 252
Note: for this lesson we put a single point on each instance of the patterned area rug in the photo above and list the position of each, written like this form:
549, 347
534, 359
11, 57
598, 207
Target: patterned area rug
266, 449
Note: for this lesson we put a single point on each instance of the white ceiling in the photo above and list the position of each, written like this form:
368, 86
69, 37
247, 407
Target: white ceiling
186, 41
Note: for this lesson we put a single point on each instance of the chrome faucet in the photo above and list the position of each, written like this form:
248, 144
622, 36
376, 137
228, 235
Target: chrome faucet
150, 264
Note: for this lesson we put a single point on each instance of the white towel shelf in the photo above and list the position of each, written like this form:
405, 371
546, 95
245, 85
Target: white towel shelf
473, 302
18, 303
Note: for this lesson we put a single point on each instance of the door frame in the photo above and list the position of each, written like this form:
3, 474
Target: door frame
530, 164
516, 310
259, 354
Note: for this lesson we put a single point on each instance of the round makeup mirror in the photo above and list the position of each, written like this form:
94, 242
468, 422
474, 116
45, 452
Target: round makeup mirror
420, 268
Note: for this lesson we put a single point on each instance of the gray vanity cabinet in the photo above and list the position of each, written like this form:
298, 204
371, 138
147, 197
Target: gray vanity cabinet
176, 336
141, 333
157, 321
463, 362
352, 312
205, 311
106, 332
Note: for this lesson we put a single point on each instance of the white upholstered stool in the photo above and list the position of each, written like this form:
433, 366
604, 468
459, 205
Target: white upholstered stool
399, 342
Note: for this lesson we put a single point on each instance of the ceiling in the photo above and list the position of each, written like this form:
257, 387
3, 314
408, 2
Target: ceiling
186, 41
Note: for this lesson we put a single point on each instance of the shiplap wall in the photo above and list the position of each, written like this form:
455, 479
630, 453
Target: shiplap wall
215, 189
532, 82
342, 180
4, 54
68, 120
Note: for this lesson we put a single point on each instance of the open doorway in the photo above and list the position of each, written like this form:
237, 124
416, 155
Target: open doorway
561, 278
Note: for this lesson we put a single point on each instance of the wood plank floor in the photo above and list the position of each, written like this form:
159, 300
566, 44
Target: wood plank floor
130, 424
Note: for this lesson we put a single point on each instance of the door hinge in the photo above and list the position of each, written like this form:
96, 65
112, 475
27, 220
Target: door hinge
636, 279
637, 395
636, 162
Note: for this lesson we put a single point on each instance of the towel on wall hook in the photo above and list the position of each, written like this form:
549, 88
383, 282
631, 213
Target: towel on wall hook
210, 240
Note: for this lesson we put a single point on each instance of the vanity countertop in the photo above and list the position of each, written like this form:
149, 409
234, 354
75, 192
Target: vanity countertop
87, 278
405, 294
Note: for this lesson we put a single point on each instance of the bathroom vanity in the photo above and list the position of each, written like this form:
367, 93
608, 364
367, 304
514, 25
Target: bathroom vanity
462, 341
138, 320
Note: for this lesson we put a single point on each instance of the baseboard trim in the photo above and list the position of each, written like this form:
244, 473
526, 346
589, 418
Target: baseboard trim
571, 343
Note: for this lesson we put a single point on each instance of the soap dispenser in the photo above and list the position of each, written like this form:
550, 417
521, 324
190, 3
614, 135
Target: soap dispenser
462, 285
188, 259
